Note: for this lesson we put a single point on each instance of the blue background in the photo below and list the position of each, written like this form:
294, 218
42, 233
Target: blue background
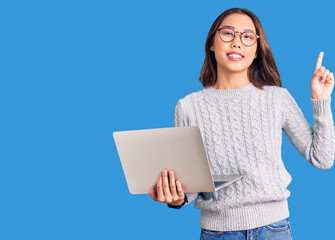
73, 72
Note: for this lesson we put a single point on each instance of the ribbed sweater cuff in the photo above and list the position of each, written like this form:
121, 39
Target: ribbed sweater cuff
321, 107
246, 217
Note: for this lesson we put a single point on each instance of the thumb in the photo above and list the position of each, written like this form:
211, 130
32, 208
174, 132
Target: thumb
153, 193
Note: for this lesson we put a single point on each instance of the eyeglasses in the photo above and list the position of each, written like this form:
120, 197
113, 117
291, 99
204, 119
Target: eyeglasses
228, 35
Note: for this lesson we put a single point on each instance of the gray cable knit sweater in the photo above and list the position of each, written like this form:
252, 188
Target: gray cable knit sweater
242, 133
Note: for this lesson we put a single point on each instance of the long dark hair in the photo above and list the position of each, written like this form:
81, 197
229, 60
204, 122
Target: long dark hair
263, 70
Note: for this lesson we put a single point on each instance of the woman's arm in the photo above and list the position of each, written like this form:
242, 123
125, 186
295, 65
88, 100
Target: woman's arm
181, 120
168, 189
316, 145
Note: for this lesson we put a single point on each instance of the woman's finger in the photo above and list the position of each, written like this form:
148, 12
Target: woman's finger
320, 72
330, 78
153, 193
166, 187
180, 190
319, 62
322, 69
324, 75
160, 194
173, 189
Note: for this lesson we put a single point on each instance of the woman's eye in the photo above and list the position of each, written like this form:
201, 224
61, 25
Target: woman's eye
248, 36
227, 33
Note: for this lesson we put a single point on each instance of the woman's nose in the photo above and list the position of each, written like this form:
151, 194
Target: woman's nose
237, 40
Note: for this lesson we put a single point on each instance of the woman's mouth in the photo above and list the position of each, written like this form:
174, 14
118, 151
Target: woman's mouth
234, 57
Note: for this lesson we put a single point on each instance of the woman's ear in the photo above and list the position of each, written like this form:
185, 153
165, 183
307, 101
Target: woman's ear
212, 48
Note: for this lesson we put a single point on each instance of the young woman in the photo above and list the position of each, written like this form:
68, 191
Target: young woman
241, 112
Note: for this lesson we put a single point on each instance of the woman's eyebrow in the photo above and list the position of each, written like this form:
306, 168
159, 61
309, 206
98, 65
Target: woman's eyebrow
247, 30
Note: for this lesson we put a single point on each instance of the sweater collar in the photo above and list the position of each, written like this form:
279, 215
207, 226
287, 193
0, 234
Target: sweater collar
230, 93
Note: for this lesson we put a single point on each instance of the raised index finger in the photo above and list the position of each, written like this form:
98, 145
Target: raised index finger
319, 62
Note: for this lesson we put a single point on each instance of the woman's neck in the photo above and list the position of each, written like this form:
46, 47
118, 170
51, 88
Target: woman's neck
231, 80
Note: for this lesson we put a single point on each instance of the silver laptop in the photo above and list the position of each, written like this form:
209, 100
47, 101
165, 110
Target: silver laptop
145, 153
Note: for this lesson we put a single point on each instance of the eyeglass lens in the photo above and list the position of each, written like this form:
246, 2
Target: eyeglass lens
227, 35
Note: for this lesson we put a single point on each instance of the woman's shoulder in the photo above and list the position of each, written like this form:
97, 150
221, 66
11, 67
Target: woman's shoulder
192, 95
275, 89
189, 99
280, 94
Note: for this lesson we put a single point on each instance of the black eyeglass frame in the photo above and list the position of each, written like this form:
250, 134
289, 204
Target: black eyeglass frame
241, 33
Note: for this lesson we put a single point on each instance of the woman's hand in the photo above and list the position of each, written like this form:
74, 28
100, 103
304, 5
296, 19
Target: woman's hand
168, 191
322, 82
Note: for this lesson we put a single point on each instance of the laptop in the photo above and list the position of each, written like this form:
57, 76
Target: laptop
145, 153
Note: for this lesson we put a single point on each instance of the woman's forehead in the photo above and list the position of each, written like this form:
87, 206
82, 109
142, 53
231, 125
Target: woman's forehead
239, 22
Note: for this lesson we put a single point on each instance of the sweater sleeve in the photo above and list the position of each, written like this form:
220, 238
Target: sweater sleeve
181, 120
316, 145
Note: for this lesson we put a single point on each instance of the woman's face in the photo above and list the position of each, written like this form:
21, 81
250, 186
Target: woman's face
239, 22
